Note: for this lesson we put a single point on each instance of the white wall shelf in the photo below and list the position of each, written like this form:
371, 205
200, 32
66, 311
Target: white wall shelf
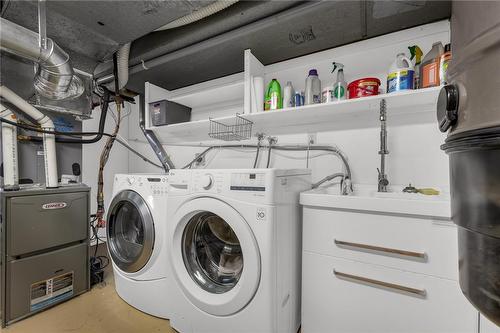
222, 98
416, 106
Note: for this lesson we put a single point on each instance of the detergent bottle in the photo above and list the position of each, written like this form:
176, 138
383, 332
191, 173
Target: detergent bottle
313, 88
429, 70
273, 100
400, 75
416, 53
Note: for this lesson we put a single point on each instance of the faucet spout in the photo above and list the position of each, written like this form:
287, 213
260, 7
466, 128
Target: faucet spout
383, 181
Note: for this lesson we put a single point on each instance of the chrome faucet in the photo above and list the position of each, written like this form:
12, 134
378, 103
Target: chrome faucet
382, 177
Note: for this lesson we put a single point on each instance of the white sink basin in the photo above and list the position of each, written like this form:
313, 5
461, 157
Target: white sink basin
366, 198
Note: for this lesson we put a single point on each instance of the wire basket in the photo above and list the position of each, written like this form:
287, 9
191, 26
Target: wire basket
241, 129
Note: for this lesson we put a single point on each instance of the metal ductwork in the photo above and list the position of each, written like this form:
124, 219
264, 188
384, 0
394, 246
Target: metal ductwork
54, 77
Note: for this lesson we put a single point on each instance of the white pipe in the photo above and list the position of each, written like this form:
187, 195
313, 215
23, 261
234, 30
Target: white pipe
49, 141
198, 14
9, 150
122, 56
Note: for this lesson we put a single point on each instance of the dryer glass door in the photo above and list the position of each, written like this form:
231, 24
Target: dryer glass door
212, 253
130, 231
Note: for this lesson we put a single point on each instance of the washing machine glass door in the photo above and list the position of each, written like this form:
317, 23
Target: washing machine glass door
130, 231
215, 256
212, 253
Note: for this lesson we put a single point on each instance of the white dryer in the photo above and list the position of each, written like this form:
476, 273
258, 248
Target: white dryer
136, 232
235, 245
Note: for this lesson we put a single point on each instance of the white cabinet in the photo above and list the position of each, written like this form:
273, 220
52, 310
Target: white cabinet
345, 296
486, 326
381, 273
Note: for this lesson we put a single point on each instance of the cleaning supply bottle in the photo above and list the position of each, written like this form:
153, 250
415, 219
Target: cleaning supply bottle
400, 75
313, 88
340, 86
416, 53
288, 95
273, 96
429, 69
443, 64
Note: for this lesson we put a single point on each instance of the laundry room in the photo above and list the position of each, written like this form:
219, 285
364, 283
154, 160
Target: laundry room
245, 166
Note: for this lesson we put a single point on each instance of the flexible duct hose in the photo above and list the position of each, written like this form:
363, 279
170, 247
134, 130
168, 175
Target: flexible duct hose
122, 57
198, 14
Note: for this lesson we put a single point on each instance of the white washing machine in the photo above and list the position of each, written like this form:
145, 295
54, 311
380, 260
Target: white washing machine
136, 233
235, 245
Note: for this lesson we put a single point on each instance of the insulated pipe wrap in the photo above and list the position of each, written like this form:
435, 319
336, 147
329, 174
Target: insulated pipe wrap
9, 150
49, 142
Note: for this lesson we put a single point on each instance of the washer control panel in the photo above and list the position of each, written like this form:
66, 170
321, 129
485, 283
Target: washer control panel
248, 181
207, 181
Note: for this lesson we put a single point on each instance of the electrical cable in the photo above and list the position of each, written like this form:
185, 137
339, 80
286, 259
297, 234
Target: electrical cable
107, 149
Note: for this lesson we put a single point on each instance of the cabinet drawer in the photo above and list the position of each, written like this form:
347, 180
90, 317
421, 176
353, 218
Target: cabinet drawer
406, 243
379, 299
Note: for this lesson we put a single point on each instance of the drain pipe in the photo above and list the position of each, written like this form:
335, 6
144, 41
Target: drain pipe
9, 150
49, 140
155, 144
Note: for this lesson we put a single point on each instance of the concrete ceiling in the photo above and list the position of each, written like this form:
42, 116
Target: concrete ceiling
91, 31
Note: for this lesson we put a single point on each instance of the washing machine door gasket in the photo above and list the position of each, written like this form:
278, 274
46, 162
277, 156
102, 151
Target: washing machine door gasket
130, 231
215, 256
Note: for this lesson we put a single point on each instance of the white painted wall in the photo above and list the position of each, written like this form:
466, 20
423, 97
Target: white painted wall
414, 154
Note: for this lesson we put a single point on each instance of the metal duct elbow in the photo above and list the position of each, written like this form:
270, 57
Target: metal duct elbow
54, 77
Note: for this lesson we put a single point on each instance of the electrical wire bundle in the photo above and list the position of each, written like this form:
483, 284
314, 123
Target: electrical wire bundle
97, 262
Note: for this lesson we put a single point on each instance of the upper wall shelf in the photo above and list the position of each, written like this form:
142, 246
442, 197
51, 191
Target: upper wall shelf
222, 98
416, 106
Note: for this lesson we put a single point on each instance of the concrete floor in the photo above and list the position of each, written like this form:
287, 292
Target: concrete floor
100, 310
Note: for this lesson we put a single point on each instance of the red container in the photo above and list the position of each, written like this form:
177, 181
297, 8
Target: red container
367, 86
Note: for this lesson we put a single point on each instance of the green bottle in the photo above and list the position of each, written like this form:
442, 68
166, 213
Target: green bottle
273, 100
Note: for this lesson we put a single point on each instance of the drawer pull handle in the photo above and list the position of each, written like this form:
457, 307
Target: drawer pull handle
397, 287
417, 255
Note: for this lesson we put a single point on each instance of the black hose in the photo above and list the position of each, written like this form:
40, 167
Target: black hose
257, 155
268, 156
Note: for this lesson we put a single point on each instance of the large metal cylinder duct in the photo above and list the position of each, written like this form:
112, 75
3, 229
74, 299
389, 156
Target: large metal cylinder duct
54, 77
49, 140
469, 109
9, 150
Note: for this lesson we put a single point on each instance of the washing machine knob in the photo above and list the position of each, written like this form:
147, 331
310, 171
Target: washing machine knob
130, 180
206, 182
447, 107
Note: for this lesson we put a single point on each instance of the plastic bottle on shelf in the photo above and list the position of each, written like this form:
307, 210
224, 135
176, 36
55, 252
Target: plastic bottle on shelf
340, 86
288, 95
429, 69
400, 76
313, 88
273, 96
416, 53
443, 64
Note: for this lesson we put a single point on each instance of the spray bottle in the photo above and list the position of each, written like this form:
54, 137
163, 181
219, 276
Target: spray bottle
340, 86
416, 53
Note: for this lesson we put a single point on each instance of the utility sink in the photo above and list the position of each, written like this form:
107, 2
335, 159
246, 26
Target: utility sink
366, 198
